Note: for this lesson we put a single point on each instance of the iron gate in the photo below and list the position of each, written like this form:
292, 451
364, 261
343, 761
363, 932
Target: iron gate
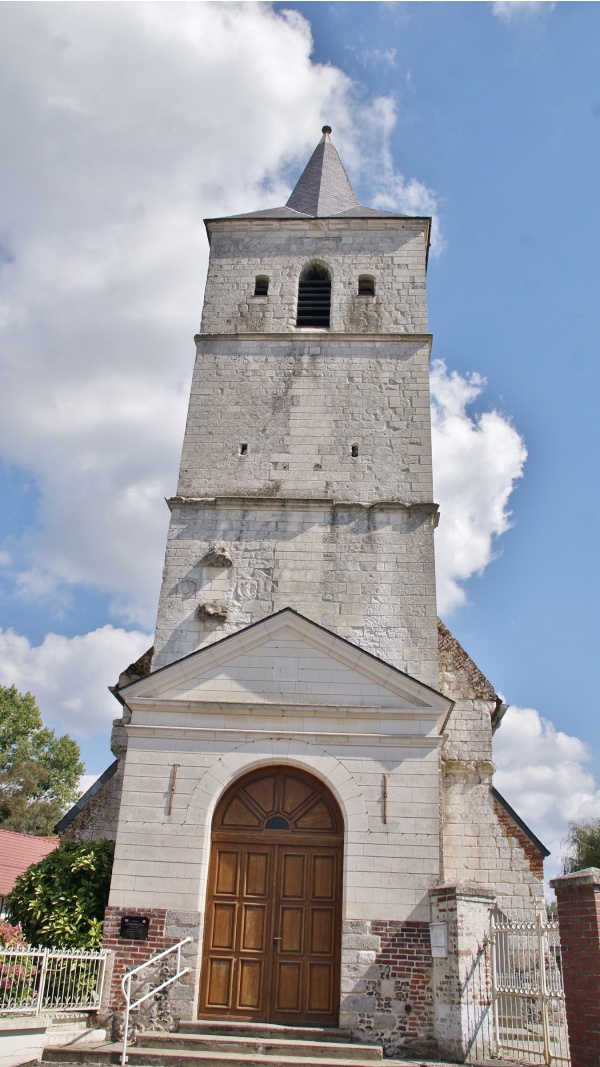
527, 991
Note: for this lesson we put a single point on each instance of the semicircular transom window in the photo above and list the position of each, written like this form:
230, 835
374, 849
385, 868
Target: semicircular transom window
282, 799
314, 298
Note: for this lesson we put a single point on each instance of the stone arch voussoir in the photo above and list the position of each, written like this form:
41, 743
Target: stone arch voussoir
238, 761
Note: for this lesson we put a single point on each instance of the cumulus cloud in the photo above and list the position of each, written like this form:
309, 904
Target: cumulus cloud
541, 772
125, 125
518, 10
393, 191
476, 461
69, 676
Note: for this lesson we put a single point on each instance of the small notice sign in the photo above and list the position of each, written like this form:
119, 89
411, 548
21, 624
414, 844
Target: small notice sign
135, 927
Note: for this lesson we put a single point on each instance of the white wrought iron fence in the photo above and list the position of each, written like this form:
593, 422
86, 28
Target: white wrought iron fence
527, 991
47, 979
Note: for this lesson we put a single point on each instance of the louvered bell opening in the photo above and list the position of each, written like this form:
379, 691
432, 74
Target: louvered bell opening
314, 301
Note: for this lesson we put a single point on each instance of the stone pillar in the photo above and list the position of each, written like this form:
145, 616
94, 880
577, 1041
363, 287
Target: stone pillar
578, 897
462, 979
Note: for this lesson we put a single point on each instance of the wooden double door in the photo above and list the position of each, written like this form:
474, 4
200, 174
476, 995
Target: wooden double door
273, 917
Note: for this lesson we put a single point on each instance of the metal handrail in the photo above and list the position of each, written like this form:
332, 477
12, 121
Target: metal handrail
126, 987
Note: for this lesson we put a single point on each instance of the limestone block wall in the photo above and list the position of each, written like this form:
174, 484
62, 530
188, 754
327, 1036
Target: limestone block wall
161, 859
280, 417
392, 251
391, 855
366, 574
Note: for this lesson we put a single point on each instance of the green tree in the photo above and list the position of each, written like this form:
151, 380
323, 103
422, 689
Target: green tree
583, 846
39, 772
60, 901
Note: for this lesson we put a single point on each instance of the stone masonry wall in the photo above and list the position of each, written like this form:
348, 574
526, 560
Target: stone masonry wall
299, 406
480, 842
365, 574
386, 986
393, 251
100, 817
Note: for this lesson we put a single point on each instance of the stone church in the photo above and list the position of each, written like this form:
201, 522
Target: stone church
303, 774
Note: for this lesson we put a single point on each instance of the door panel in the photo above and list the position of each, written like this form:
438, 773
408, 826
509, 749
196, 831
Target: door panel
320, 987
219, 982
291, 930
251, 984
288, 994
321, 931
294, 865
256, 874
273, 909
307, 933
223, 926
227, 869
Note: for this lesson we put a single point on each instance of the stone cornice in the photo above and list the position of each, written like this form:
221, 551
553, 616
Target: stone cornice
315, 337
241, 732
245, 224
248, 499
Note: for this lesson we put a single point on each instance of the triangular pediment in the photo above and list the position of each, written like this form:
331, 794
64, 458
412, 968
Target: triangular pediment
285, 660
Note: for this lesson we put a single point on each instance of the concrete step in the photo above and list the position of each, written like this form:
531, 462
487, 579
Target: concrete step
247, 1029
263, 1046
73, 1035
139, 1056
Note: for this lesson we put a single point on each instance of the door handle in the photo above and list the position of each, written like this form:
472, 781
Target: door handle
277, 939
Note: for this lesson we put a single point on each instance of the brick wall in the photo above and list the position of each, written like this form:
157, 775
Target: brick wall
578, 897
129, 954
512, 829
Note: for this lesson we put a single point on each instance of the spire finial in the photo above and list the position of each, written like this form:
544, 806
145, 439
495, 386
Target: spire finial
326, 129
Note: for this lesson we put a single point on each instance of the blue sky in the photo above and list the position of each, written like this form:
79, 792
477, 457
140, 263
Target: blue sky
125, 125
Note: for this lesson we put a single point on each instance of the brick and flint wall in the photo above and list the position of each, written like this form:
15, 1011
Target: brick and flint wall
164, 929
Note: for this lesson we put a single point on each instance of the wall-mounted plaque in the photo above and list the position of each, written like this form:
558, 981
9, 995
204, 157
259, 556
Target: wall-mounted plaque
135, 927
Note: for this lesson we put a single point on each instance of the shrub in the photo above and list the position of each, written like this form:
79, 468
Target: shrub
60, 901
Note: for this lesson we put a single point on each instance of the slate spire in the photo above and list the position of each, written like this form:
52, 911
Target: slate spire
323, 188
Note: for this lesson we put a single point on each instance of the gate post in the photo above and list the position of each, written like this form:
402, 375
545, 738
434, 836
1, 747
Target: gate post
578, 897
462, 980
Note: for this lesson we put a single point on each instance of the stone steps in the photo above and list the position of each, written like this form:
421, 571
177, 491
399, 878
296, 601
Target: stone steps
223, 1043
288, 1046
152, 1057
246, 1029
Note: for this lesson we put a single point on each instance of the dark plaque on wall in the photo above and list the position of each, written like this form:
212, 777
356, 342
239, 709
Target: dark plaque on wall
135, 927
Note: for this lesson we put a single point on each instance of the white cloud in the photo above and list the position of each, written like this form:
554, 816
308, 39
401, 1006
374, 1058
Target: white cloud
69, 676
86, 781
124, 125
476, 461
517, 10
392, 191
541, 772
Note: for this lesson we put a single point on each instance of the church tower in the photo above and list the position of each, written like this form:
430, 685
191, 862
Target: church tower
305, 477
303, 773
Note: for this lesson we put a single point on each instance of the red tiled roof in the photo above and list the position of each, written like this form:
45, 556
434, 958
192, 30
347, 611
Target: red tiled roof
18, 852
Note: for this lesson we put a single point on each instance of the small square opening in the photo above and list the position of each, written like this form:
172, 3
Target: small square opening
354, 451
243, 449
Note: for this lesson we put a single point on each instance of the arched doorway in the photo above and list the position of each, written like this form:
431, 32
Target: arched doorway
274, 898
